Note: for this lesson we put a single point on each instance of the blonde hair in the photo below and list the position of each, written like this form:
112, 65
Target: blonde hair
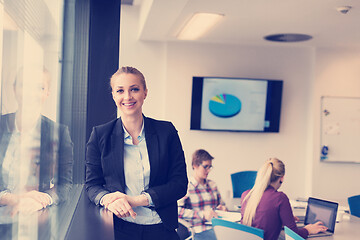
271, 171
129, 70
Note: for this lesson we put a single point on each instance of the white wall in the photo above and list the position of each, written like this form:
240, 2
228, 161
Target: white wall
337, 74
235, 151
169, 68
148, 57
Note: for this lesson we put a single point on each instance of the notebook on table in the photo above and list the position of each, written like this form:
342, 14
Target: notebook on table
324, 211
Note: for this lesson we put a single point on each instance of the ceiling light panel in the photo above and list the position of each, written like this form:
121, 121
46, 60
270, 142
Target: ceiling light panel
198, 25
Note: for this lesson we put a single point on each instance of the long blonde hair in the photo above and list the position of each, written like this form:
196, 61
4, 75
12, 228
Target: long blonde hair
271, 171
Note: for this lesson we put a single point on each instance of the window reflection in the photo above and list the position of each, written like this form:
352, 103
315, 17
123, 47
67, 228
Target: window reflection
36, 151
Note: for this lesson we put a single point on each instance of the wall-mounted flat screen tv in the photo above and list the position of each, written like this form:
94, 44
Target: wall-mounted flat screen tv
236, 104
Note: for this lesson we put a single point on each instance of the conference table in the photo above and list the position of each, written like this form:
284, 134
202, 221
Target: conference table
348, 228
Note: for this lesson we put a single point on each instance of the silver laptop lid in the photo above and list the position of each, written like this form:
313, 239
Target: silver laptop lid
321, 210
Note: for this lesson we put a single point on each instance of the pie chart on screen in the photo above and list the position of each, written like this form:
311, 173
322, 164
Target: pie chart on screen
224, 105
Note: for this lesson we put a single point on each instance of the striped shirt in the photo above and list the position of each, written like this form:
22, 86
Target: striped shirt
198, 198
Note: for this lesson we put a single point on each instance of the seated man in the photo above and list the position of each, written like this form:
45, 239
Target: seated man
202, 198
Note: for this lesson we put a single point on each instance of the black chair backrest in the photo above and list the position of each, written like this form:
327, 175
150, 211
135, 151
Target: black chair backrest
183, 232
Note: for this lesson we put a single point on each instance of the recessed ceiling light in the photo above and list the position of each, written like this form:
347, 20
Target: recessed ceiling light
288, 37
198, 25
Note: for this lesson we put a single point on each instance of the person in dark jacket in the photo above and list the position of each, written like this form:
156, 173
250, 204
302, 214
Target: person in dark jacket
135, 165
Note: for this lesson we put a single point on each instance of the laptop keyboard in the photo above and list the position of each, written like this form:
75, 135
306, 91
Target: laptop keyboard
321, 234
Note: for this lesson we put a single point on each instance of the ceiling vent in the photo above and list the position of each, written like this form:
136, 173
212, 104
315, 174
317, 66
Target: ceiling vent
344, 9
288, 37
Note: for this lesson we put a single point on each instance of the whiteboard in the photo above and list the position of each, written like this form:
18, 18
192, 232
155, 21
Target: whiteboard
340, 129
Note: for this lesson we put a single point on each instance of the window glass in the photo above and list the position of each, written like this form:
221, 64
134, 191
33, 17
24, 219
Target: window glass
36, 151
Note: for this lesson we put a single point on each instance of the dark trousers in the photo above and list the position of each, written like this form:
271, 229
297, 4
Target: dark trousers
6, 231
130, 231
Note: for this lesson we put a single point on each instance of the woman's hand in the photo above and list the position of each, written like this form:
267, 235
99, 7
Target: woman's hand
9, 199
315, 228
121, 208
42, 198
121, 204
111, 197
137, 201
27, 205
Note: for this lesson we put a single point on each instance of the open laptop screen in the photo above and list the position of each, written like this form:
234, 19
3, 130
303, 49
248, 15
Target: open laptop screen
321, 210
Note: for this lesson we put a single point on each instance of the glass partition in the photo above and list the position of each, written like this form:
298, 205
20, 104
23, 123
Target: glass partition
36, 150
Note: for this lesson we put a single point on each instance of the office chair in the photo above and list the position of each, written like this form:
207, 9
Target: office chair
227, 230
184, 230
242, 181
291, 235
354, 205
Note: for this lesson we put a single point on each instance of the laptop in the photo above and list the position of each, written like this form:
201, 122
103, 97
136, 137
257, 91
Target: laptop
324, 211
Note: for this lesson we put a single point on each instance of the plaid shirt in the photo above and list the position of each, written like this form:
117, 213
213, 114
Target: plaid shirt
198, 198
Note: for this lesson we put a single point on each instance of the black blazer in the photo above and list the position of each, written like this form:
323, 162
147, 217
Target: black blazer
168, 177
55, 158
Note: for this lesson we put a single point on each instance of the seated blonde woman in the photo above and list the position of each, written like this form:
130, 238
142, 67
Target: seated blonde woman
202, 198
265, 208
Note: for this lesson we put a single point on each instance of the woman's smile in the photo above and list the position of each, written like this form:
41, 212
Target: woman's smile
129, 104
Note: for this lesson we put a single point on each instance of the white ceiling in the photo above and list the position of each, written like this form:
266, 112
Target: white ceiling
248, 21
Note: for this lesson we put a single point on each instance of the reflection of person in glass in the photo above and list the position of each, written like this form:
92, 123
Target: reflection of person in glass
36, 153
135, 165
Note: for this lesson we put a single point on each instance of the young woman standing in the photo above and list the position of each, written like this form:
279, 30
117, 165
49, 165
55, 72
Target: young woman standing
135, 165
